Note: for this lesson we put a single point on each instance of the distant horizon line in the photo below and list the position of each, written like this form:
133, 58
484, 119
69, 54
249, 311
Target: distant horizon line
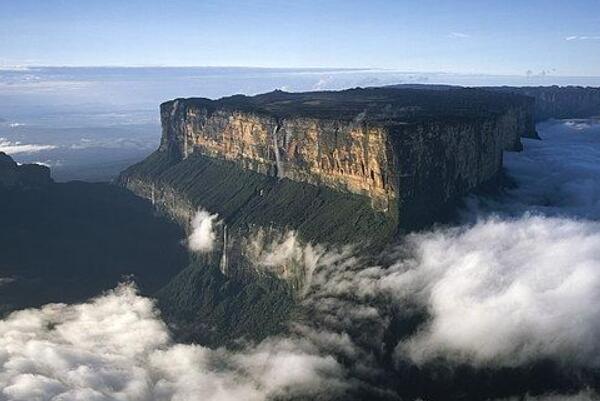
25, 67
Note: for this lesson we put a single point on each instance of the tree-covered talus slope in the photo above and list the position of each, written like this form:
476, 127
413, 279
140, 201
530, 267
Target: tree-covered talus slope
244, 199
204, 306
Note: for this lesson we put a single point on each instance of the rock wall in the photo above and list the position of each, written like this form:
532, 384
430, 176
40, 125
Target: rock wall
438, 162
347, 156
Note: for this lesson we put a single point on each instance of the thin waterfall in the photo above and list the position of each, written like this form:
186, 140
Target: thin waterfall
224, 261
277, 155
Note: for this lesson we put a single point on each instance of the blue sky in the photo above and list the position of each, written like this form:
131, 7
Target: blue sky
489, 37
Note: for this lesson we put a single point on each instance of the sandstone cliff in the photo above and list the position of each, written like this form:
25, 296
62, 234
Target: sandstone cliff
354, 166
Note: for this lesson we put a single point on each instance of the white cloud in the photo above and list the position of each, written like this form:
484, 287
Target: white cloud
11, 148
584, 37
6, 280
458, 35
115, 347
508, 292
203, 236
283, 254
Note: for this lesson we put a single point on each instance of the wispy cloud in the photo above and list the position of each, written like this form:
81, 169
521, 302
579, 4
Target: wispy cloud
458, 35
575, 37
12, 148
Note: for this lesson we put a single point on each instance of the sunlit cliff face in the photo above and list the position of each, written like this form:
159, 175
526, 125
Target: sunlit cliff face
517, 283
346, 155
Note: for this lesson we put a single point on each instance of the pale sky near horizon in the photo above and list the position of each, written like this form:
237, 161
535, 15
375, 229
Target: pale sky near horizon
487, 37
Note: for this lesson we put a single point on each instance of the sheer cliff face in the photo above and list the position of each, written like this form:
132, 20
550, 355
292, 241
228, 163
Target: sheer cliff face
349, 156
566, 102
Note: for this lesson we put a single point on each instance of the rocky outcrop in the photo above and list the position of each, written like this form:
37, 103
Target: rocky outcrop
24, 175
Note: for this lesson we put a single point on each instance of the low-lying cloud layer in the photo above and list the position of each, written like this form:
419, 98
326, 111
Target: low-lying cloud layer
116, 347
14, 147
513, 287
508, 292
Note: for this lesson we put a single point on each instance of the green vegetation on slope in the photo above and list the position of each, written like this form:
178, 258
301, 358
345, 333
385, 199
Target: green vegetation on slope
205, 306
244, 199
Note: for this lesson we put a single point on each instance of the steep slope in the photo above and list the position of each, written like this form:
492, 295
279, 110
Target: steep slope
13, 175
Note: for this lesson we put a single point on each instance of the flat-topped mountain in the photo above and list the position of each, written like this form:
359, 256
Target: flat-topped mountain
336, 167
560, 102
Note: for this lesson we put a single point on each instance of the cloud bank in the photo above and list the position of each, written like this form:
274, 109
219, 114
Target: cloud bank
507, 293
115, 347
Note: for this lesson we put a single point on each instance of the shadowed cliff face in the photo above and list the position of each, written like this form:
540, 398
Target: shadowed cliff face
546, 102
561, 102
